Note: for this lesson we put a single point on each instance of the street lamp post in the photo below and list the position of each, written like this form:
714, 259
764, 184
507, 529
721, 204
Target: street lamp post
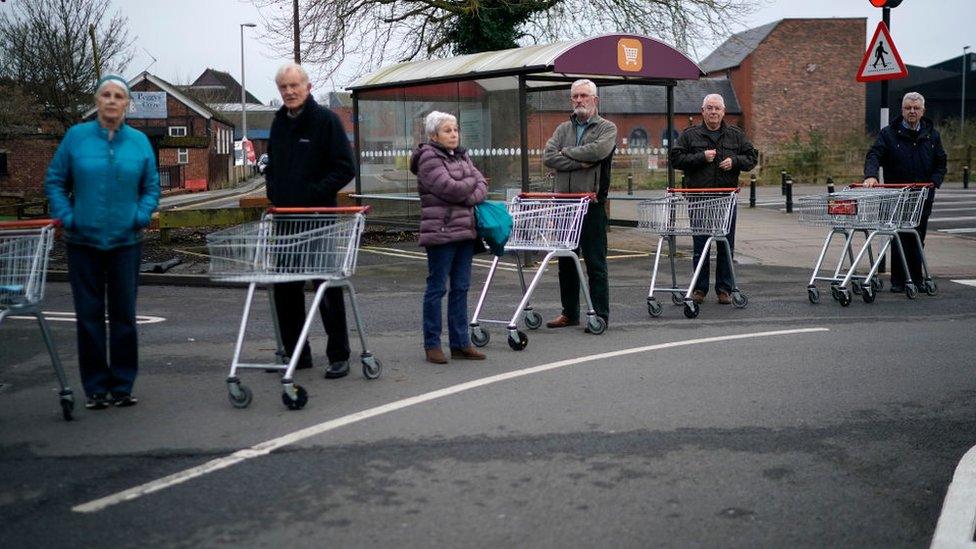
243, 93
962, 106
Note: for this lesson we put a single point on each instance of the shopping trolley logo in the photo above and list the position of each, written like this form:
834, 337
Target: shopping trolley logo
842, 207
630, 54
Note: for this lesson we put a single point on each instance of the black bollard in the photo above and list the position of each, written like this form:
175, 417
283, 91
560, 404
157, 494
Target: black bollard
630, 184
752, 191
830, 184
782, 182
789, 196
965, 177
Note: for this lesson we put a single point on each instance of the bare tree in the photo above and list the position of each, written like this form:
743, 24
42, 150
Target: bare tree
377, 32
45, 48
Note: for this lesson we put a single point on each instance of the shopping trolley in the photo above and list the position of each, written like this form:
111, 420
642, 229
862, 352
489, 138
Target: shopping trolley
688, 212
288, 245
846, 213
541, 222
902, 215
24, 249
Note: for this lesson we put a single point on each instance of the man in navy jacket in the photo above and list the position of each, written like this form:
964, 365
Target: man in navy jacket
309, 162
909, 150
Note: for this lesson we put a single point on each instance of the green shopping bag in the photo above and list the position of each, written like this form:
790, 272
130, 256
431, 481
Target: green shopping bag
494, 224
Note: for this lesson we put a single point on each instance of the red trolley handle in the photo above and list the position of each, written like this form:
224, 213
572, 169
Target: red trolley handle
320, 210
29, 223
894, 186
706, 190
589, 196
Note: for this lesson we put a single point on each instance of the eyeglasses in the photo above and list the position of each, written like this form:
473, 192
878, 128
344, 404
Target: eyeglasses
576, 96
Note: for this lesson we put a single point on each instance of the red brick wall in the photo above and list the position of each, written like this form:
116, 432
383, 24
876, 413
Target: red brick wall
196, 168
803, 80
27, 162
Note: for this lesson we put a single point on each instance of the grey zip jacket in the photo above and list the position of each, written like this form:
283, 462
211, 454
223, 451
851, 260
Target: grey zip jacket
595, 149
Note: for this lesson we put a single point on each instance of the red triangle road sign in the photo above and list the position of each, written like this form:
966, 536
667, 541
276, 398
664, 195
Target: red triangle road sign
881, 60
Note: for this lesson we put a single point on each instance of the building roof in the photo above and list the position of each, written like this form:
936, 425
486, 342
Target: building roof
736, 48
595, 56
215, 86
187, 99
688, 97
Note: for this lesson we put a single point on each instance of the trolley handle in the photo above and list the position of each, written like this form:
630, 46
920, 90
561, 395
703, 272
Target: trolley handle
29, 223
320, 210
894, 186
706, 190
588, 196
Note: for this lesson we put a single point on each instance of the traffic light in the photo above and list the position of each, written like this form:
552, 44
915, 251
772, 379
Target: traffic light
885, 3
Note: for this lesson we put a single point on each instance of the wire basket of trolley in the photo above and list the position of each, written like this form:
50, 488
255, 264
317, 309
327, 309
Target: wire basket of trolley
288, 245
541, 222
24, 249
880, 211
688, 212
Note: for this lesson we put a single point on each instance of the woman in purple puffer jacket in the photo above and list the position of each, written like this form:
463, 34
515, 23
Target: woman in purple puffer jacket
449, 187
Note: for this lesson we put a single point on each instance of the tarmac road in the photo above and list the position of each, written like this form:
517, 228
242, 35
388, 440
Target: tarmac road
846, 432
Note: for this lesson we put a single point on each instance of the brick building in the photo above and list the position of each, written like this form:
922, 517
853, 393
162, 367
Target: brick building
221, 92
24, 157
794, 77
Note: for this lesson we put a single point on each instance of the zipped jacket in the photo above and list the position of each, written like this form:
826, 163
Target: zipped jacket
595, 149
907, 156
688, 154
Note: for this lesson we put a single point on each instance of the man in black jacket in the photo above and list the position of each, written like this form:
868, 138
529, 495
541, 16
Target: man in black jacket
309, 162
713, 155
909, 150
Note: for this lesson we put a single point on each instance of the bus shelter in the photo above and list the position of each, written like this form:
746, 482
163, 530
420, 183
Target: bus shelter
508, 103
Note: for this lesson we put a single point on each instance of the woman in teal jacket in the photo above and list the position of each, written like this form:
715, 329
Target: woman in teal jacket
103, 186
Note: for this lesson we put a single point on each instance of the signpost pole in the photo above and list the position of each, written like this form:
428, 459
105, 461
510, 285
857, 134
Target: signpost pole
883, 118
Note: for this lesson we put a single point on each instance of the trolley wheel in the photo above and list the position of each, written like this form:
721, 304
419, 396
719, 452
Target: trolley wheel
691, 309
813, 294
67, 406
677, 299
930, 287
868, 294
533, 320
877, 283
835, 292
856, 287
239, 395
479, 336
520, 343
596, 325
299, 401
654, 308
372, 367
844, 297
911, 291
739, 300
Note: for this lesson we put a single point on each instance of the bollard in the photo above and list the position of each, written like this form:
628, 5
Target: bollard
789, 196
752, 191
965, 177
782, 182
830, 184
630, 184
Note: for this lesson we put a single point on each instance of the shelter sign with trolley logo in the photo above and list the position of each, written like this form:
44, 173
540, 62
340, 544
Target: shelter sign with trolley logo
881, 60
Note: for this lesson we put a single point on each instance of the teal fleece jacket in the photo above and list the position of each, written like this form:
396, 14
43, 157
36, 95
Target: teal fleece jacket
103, 192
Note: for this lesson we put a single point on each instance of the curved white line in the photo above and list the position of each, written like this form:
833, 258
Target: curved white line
269, 446
958, 518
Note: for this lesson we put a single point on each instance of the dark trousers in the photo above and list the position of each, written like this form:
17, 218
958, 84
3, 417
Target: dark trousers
723, 270
96, 276
448, 260
913, 255
593, 248
290, 307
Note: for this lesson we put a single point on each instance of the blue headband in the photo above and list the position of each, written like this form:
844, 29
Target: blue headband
115, 79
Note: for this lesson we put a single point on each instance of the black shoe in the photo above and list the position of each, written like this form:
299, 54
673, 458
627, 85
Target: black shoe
98, 401
337, 369
124, 400
897, 288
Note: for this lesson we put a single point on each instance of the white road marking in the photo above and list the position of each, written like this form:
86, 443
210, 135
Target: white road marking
966, 282
958, 231
956, 522
60, 316
961, 218
943, 210
269, 446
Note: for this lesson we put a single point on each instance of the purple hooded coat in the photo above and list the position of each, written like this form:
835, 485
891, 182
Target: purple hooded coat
449, 187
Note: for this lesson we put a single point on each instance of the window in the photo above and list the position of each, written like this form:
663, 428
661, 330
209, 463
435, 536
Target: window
638, 138
177, 131
182, 156
3, 163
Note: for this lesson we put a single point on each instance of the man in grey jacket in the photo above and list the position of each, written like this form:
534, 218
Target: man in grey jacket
581, 151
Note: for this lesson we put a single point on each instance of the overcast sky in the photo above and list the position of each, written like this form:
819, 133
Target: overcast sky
187, 36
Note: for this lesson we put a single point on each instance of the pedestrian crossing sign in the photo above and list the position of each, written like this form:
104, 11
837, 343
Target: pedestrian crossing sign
881, 60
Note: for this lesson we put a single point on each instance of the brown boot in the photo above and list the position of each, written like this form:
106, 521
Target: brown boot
562, 321
436, 355
724, 298
469, 353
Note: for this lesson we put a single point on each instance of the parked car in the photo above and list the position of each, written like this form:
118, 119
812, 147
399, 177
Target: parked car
263, 162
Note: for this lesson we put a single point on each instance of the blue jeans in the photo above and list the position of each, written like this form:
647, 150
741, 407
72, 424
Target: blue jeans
97, 275
723, 270
452, 259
